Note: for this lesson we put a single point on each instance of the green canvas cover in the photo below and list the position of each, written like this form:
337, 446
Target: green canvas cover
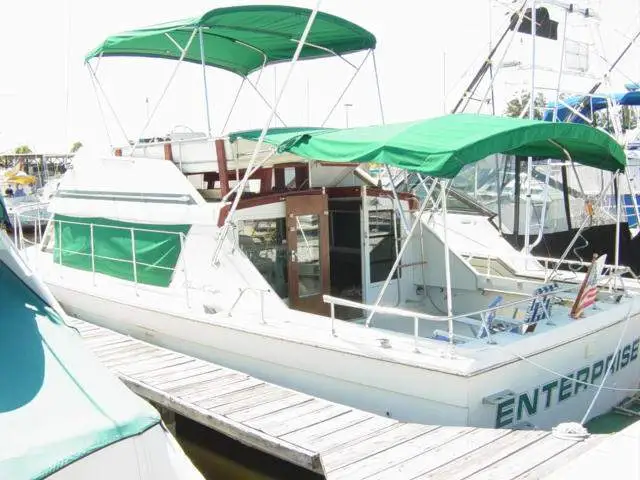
57, 403
242, 39
442, 146
157, 248
4, 215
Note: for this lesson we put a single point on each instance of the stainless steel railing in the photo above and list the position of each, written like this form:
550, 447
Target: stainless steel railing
417, 316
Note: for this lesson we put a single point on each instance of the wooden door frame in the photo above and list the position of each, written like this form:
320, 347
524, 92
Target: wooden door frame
312, 204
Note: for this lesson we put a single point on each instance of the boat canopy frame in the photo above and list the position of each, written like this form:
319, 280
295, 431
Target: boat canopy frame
242, 40
442, 146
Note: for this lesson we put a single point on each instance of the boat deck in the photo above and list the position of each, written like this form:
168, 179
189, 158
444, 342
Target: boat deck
324, 437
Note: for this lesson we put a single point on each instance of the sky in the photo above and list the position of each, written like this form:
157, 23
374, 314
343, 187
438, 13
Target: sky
426, 53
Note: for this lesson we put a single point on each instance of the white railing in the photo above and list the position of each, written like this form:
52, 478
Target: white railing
21, 240
22, 212
133, 261
545, 263
262, 291
417, 316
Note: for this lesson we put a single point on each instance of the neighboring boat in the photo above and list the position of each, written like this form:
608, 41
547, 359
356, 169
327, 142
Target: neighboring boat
252, 282
62, 414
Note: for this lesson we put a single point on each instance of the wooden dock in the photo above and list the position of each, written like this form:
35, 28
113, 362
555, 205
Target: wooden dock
333, 440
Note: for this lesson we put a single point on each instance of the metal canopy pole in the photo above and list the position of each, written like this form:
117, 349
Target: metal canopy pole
618, 212
102, 115
233, 105
447, 265
106, 98
344, 91
265, 100
204, 79
387, 281
532, 101
245, 179
575, 237
633, 198
396, 200
375, 71
164, 92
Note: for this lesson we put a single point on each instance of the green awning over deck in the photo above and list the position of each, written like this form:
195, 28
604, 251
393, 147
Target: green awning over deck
442, 146
242, 39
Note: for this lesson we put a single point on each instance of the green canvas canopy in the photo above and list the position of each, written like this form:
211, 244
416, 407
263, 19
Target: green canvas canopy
57, 403
442, 146
242, 39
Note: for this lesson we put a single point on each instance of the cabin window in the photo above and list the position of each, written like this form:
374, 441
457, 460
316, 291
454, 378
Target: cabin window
308, 255
265, 243
345, 247
383, 244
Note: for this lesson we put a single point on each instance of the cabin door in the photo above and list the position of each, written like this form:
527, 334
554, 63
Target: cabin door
308, 243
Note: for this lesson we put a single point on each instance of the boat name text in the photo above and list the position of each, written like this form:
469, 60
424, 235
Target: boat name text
513, 409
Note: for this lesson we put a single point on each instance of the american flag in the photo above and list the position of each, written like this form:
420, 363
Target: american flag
589, 288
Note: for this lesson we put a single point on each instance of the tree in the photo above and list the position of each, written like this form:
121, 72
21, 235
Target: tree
22, 149
76, 146
627, 116
520, 102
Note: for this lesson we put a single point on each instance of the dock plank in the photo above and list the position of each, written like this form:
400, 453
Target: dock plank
328, 427
295, 422
525, 460
190, 367
441, 455
263, 394
353, 434
398, 454
269, 407
337, 441
374, 445
484, 458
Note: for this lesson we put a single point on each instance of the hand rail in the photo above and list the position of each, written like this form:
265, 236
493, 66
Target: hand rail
332, 301
242, 292
134, 261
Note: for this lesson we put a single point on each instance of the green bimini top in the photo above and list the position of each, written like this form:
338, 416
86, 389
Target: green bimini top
57, 403
442, 146
242, 39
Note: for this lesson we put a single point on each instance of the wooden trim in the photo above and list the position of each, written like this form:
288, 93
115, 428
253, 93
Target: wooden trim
278, 174
338, 164
222, 167
308, 205
259, 200
302, 176
168, 152
290, 165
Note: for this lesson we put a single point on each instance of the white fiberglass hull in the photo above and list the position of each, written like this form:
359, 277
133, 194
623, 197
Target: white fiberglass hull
153, 455
370, 379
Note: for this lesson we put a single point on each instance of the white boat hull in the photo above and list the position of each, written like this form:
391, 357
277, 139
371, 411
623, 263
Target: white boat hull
372, 382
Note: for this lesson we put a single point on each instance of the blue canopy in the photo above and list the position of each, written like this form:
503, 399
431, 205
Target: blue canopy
593, 104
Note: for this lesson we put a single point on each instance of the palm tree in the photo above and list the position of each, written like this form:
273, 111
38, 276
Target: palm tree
23, 149
76, 146
517, 104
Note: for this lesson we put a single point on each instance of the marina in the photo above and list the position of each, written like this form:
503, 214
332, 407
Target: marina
332, 440
411, 293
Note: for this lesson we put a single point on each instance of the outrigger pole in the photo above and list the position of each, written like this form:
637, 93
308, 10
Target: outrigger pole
599, 83
473, 85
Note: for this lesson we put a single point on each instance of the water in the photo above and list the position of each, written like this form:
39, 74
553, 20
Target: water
219, 457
